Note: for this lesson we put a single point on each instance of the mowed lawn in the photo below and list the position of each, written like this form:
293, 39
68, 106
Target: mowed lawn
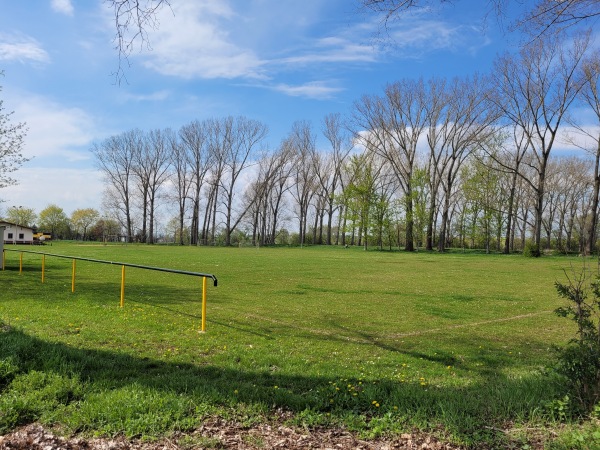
378, 342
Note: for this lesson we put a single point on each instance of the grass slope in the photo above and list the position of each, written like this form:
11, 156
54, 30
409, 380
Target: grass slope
377, 342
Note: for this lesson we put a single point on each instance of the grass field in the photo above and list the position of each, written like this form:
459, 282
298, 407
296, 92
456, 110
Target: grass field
378, 342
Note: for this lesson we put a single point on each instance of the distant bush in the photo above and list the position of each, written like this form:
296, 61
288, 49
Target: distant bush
531, 250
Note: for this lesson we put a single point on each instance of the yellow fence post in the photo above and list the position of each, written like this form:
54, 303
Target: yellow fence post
21, 264
43, 266
73, 277
203, 304
122, 286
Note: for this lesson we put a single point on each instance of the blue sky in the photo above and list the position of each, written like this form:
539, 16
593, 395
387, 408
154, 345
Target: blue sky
272, 60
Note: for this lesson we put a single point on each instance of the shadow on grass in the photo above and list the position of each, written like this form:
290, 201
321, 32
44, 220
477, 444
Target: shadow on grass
115, 392
111, 392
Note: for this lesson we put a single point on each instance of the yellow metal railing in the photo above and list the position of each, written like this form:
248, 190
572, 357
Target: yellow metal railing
204, 276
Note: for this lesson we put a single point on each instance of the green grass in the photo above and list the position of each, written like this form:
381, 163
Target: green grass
378, 342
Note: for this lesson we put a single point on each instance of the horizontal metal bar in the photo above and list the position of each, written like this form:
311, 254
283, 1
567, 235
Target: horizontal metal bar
160, 269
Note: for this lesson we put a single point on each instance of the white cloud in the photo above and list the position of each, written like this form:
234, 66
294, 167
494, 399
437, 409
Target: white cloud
315, 89
192, 41
54, 130
415, 37
21, 48
205, 39
62, 6
576, 140
68, 188
334, 49
151, 97
61, 171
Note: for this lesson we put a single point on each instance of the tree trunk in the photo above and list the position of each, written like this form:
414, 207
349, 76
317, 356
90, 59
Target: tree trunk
591, 238
410, 244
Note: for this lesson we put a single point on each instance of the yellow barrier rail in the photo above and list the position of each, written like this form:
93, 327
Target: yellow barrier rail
204, 276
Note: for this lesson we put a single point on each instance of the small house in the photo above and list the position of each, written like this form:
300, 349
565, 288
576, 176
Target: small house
16, 234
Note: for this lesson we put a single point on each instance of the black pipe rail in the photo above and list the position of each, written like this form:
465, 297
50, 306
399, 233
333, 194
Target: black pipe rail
116, 263
123, 265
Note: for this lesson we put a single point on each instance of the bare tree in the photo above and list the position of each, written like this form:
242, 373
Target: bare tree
543, 18
460, 120
239, 138
181, 178
264, 196
588, 138
302, 141
115, 158
394, 123
151, 165
438, 137
512, 147
341, 146
555, 16
197, 153
216, 149
540, 85
573, 185
132, 20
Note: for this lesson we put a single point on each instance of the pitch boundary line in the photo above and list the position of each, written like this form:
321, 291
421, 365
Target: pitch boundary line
398, 335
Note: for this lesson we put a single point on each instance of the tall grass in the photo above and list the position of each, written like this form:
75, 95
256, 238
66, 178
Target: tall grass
377, 342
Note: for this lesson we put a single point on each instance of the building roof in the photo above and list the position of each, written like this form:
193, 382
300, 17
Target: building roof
10, 224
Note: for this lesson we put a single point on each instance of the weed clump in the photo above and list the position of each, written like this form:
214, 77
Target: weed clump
579, 360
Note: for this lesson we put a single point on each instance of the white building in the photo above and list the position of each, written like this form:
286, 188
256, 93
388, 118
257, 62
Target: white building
16, 234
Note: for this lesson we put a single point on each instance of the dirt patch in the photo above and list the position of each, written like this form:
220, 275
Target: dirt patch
220, 434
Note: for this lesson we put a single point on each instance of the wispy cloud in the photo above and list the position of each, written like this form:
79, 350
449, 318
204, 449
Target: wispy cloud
21, 48
150, 97
55, 131
192, 41
413, 38
205, 39
331, 50
316, 89
62, 6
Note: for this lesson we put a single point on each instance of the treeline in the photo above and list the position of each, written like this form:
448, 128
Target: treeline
427, 163
82, 224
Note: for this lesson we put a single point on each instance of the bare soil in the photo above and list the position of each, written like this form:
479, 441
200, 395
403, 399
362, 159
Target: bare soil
220, 434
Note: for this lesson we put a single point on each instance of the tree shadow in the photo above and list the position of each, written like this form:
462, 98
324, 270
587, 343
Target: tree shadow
492, 399
463, 410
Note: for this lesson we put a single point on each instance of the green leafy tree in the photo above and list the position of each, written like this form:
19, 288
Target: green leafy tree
360, 195
19, 215
82, 219
53, 220
482, 193
105, 230
421, 194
